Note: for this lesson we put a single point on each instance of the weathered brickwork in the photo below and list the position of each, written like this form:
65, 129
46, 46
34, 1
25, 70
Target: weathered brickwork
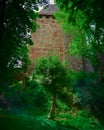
50, 40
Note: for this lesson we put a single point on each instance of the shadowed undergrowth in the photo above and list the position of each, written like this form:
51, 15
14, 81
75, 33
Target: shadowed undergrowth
24, 122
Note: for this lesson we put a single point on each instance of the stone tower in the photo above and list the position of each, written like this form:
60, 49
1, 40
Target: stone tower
50, 40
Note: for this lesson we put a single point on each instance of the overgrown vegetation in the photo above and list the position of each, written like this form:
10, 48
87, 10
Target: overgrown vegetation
79, 20
53, 96
17, 22
83, 21
74, 102
51, 74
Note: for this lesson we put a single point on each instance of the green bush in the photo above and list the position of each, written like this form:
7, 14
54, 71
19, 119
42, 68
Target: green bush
89, 91
33, 99
81, 120
52, 74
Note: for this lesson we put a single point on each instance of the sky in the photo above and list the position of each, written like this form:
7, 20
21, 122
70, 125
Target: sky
51, 2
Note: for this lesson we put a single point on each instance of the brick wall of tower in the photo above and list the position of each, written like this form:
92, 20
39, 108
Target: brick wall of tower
50, 40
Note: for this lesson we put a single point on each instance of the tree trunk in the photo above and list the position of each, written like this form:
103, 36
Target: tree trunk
23, 83
100, 74
101, 68
52, 111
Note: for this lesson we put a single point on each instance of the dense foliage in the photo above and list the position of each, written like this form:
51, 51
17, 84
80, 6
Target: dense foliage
52, 74
83, 21
77, 97
28, 108
17, 22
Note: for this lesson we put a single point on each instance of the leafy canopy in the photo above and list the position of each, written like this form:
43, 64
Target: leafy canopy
83, 20
17, 22
51, 73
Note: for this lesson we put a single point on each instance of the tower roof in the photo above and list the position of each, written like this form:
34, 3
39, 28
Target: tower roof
48, 10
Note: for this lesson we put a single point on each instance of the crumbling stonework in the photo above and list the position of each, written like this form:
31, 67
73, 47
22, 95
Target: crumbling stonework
50, 40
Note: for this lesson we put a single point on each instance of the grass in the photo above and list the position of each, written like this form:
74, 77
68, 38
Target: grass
64, 121
25, 122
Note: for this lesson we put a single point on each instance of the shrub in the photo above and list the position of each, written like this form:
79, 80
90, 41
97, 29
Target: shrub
51, 73
88, 90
